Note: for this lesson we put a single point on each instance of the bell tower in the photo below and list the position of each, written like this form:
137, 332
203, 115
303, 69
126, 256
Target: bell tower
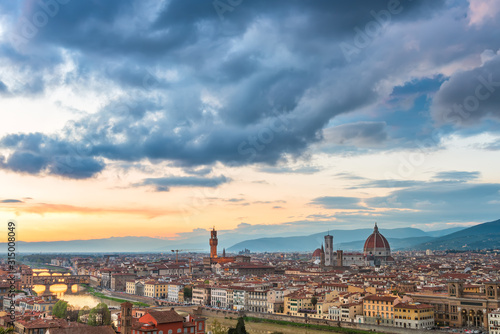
126, 318
213, 243
329, 260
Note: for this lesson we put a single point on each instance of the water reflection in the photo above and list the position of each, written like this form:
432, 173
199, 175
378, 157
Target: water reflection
79, 301
39, 289
56, 289
74, 295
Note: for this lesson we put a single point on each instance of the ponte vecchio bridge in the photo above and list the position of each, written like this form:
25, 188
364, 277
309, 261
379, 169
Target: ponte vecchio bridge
48, 282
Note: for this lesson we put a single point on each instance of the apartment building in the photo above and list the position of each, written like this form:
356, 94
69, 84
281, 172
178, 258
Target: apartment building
379, 310
416, 316
494, 322
201, 295
175, 292
257, 301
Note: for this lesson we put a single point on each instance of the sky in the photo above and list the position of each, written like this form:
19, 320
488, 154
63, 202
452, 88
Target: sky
167, 118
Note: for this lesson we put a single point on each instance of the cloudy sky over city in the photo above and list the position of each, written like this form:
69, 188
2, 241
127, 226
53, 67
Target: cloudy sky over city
166, 118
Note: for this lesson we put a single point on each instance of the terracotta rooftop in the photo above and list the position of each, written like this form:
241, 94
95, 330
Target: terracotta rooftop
83, 330
413, 306
165, 317
381, 298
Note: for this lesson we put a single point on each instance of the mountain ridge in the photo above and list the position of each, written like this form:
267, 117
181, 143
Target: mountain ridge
350, 240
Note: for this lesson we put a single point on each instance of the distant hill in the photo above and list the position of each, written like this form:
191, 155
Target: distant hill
352, 240
482, 236
108, 245
440, 233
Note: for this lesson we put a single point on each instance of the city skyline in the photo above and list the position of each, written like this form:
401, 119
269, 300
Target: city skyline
161, 119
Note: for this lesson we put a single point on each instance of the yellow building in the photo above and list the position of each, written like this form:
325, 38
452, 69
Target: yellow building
155, 289
415, 316
379, 310
297, 301
130, 287
322, 308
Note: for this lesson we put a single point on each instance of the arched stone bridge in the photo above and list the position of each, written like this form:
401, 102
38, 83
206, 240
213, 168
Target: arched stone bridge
61, 279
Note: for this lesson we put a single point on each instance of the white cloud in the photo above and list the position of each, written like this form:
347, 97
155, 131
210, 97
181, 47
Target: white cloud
482, 10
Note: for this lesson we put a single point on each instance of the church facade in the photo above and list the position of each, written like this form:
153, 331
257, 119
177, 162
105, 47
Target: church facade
376, 252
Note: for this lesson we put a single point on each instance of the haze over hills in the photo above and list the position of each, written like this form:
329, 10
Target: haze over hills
107, 245
343, 239
396, 244
481, 236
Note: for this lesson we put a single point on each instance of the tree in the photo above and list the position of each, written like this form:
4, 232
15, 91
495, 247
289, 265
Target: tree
99, 315
72, 313
83, 311
314, 301
217, 328
92, 317
60, 309
188, 293
240, 327
6, 330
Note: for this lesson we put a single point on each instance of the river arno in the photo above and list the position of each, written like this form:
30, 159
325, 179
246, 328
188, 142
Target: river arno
79, 301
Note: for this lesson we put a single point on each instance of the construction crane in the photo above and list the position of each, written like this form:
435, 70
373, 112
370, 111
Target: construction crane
176, 251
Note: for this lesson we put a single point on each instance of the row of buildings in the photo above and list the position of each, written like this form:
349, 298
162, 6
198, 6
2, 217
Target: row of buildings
379, 287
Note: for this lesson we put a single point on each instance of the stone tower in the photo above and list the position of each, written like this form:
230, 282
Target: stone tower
322, 257
340, 258
329, 259
126, 318
213, 244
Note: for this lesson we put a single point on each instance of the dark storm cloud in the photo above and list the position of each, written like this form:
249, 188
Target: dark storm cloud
161, 27
257, 86
360, 134
165, 183
470, 97
36, 153
337, 202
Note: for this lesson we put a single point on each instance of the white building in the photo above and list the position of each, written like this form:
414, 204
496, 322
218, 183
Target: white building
494, 322
174, 289
274, 296
257, 301
219, 297
335, 313
239, 299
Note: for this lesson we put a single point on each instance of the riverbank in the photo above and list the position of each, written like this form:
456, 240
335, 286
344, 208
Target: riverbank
52, 268
266, 327
94, 293
324, 328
